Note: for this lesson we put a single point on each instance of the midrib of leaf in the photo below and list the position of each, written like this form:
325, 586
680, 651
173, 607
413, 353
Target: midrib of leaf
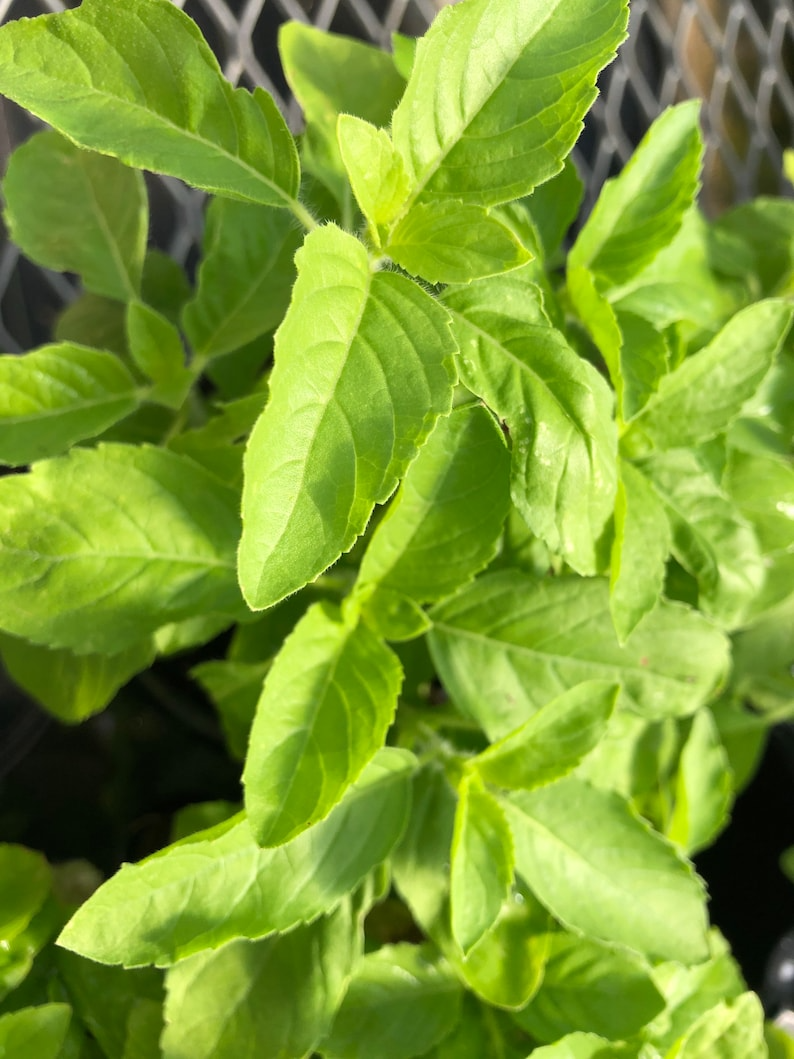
112, 397
464, 125
294, 205
523, 367
312, 441
553, 656
307, 729
123, 272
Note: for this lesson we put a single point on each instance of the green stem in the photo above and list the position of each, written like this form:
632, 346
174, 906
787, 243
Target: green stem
303, 215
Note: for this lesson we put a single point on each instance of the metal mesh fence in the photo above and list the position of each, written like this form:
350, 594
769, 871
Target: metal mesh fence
736, 55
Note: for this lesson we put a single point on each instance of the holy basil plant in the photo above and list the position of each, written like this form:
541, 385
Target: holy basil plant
500, 536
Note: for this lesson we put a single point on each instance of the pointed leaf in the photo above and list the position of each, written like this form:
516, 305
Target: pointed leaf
76, 211
581, 980
703, 789
280, 993
454, 242
726, 1031
57, 395
156, 347
481, 872
84, 73
25, 882
444, 524
710, 538
35, 1033
235, 689
87, 566
245, 277
331, 75
72, 687
554, 206
362, 373
509, 643
639, 212
498, 92
208, 890
644, 361
639, 551
376, 171
553, 741
557, 407
602, 871
325, 708
399, 1004
705, 394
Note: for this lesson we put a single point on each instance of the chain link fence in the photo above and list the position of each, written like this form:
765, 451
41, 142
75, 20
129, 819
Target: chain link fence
736, 55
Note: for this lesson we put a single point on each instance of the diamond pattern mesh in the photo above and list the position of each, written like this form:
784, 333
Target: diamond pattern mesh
736, 55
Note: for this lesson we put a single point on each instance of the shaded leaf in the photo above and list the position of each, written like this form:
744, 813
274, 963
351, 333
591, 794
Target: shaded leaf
117, 564
703, 790
77, 211
57, 395
509, 643
220, 885
245, 277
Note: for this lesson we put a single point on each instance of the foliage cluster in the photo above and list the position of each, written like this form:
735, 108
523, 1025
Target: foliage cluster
500, 537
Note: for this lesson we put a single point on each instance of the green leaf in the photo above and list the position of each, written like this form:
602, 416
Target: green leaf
156, 347
443, 526
710, 538
201, 893
84, 73
245, 277
703, 788
88, 567
454, 242
639, 551
505, 967
728, 1030
589, 987
509, 643
481, 872
35, 1033
644, 360
72, 687
602, 871
332, 75
325, 708
94, 321
376, 171
165, 286
277, 996
554, 206
497, 94
705, 394
25, 882
76, 211
639, 212
553, 741
583, 1046
399, 1004
556, 406
363, 370
57, 395
107, 998
235, 689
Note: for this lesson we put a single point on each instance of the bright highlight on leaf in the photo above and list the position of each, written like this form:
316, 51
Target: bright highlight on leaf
320, 457
324, 711
84, 73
